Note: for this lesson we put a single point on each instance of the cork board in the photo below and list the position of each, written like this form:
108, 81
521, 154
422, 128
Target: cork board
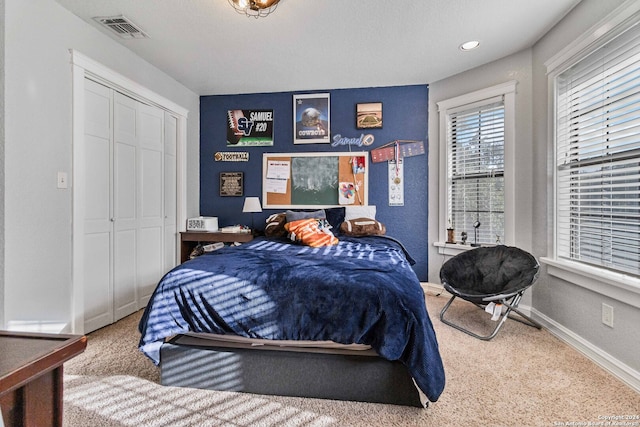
314, 180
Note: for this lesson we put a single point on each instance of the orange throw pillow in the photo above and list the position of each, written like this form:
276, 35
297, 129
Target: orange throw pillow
311, 232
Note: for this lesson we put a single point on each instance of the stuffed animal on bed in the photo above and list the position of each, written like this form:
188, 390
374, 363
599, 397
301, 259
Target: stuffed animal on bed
275, 225
363, 227
311, 232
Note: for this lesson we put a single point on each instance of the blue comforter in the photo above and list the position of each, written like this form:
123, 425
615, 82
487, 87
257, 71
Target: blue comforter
362, 290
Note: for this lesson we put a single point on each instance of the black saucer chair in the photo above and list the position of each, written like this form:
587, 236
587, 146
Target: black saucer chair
485, 275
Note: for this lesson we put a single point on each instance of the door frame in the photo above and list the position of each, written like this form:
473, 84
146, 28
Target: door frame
84, 67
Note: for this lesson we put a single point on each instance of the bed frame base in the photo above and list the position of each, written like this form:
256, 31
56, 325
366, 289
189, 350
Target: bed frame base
343, 375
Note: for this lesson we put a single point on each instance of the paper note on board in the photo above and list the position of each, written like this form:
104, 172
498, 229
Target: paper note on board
346, 193
276, 185
279, 169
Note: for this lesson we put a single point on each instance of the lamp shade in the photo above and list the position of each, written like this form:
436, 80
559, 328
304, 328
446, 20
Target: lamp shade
252, 204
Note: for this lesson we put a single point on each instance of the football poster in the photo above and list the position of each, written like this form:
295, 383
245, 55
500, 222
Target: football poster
311, 118
249, 128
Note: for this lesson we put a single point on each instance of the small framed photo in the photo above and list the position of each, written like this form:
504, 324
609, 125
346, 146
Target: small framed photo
311, 118
369, 115
231, 184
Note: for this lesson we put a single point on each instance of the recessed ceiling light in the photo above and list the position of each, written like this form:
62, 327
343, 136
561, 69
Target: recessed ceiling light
470, 45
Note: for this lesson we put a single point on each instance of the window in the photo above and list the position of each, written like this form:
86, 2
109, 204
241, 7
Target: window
475, 131
475, 171
597, 135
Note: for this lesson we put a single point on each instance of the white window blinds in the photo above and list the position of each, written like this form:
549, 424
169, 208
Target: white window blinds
598, 156
476, 136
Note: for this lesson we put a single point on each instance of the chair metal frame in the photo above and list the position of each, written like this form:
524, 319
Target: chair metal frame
510, 300
511, 303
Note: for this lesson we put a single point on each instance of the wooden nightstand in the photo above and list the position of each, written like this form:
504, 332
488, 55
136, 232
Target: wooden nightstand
190, 239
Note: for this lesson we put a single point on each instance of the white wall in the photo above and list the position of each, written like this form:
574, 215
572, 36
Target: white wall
2, 26
573, 310
38, 129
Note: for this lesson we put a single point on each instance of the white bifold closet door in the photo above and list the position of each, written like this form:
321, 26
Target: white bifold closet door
130, 225
124, 209
98, 228
170, 190
150, 200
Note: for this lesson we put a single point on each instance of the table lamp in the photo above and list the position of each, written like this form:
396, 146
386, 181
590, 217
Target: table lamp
252, 205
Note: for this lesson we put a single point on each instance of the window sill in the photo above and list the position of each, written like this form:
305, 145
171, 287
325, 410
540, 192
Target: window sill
619, 286
451, 248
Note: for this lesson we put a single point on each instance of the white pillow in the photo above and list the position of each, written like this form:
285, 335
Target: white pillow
353, 212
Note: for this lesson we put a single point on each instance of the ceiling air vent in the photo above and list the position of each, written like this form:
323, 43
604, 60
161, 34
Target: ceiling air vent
122, 26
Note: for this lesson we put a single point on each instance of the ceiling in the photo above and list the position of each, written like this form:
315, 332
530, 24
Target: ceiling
324, 44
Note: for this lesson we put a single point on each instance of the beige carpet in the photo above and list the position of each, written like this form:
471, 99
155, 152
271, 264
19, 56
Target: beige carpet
523, 377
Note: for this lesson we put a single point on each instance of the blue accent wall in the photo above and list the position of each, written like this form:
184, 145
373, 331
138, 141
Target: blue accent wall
405, 111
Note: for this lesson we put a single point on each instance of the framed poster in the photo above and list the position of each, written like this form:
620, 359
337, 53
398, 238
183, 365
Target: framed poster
311, 119
231, 184
249, 128
369, 115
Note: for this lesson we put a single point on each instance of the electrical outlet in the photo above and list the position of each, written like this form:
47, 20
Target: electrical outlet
607, 315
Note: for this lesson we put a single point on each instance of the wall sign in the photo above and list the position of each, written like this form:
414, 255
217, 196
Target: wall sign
388, 151
231, 183
249, 128
362, 140
234, 156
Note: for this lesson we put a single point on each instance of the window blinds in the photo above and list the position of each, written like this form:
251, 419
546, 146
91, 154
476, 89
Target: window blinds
598, 156
476, 170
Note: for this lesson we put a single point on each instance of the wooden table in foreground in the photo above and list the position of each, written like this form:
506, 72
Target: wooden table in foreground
31, 379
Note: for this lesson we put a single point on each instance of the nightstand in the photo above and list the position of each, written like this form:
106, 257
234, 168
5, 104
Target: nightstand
190, 239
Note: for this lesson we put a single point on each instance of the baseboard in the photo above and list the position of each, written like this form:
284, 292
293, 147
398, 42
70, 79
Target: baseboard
620, 370
39, 327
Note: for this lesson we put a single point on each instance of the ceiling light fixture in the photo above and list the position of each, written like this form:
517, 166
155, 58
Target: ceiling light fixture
254, 8
470, 45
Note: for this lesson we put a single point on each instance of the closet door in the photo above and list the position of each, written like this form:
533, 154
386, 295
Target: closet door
97, 280
170, 191
125, 209
128, 188
150, 200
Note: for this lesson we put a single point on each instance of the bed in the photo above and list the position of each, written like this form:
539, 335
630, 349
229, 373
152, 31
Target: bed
270, 292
